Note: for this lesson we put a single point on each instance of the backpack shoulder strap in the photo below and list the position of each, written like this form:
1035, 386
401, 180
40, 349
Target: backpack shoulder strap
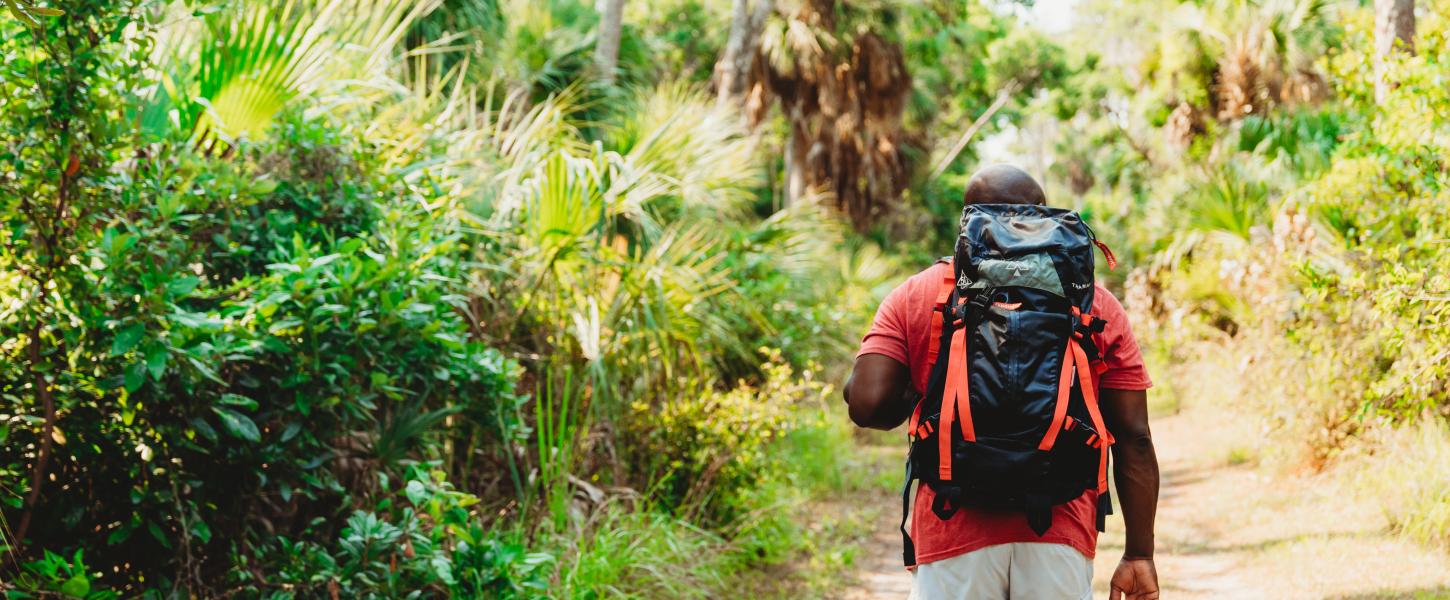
933, 349
944, 293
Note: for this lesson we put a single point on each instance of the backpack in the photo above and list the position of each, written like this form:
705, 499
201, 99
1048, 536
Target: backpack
1009, 420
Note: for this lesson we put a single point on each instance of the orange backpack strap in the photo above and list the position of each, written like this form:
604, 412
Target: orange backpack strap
1090, 397
944, 293
1064, 395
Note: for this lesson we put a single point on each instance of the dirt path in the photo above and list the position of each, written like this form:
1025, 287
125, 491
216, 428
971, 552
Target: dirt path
1228, 529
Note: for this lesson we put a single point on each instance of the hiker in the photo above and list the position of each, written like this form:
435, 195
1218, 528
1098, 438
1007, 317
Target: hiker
1010, 432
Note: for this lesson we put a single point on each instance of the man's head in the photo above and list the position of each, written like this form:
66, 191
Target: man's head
1003, 184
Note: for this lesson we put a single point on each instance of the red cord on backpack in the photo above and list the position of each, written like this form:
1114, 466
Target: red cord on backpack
1107, 253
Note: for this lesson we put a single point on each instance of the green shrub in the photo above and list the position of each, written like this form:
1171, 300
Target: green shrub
708, 451
55, 575
259, 339
424, 539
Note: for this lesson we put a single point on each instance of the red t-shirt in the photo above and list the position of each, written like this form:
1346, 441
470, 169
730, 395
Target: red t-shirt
902, 330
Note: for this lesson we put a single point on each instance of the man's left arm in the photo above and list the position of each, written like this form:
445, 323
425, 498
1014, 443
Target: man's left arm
1136, 473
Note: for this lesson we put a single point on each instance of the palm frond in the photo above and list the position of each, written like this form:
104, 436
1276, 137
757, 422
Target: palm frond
228, 74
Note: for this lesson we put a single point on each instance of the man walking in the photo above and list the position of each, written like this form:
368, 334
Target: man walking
990, 553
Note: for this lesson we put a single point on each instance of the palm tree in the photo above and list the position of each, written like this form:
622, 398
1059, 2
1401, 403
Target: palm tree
606, 48
1394, 28
732, 72
843, 90
1265, 51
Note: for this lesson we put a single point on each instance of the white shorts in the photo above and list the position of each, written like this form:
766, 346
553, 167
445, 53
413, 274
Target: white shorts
1019, 571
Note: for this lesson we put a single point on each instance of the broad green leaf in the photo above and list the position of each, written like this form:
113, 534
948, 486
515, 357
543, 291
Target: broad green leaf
201, 530
416, 492
127, 338
204, 428
156, 533
349, 246
193, 320
182, 286
156, 362
290, 431
135, 376
239, 400
238, 424
78, 586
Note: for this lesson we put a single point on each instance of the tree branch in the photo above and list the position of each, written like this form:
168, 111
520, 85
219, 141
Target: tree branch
997, 104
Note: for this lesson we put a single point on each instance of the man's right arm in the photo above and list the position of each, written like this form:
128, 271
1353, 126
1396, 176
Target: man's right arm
877, 392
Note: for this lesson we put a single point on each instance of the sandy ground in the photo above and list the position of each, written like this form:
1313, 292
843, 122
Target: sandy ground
1228, 529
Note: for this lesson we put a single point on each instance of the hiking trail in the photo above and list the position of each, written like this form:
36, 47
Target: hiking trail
1229, 529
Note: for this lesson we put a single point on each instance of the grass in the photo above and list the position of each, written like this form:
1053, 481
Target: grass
1409, 474
800, 538
1239, 455
644, 554
841, 480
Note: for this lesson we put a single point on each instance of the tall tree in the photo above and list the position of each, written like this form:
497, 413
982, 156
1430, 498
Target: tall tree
732, 72
606, 48
1394, 28
843, 90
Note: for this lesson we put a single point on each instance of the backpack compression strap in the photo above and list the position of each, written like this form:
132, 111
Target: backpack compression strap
1089, 393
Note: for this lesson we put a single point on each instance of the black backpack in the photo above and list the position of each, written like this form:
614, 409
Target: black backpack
1010, 419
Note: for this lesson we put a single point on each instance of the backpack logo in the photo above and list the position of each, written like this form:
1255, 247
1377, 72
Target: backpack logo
963, 282
1018, 268
1081, 286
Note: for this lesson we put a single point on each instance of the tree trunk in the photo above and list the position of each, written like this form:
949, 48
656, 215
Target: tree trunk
732, 72
1394, 28
797, 150
47, 437
606, 48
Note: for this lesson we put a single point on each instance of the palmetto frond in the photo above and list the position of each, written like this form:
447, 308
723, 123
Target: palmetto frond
227, 74
1264, 50
702, 149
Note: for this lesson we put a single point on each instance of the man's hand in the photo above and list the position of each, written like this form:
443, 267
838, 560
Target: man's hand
1135, 579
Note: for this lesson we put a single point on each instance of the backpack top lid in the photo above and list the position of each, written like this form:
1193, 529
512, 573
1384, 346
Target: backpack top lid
1025, 245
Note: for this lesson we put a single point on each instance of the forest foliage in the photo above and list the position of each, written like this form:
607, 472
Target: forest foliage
385, 298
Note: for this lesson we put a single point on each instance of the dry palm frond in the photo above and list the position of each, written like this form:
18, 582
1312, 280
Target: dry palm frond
1304, 86
1184, 124
844, 104
1266, 50
1240, 85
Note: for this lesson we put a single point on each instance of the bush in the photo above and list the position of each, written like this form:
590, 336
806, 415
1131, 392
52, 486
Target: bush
259, 338
708, 451
424, 539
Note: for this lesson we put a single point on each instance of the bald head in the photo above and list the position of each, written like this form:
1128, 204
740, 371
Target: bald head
1003, 184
